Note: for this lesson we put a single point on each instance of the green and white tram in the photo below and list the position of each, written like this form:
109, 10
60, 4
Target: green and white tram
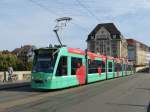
56, 68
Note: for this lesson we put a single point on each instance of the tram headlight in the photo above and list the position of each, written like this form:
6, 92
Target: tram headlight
49, 78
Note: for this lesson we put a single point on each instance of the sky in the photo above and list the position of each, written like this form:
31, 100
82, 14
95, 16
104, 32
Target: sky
24, 22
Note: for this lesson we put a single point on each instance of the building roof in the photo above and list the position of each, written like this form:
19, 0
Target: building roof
24, 49
109, 26
136, 41
133, 42
16, 51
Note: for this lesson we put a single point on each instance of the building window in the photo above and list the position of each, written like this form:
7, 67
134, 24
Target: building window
103, 36
98, 49
97, 42
97, 36
108, 42
108, 49
114, 36
92, 37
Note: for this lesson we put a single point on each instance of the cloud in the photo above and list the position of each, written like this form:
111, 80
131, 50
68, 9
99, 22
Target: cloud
116, 8
23, 22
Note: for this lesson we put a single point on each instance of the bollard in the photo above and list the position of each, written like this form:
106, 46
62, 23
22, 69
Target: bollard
4, 80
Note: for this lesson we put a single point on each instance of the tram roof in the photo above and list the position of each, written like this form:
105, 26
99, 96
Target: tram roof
82, 52
46, 48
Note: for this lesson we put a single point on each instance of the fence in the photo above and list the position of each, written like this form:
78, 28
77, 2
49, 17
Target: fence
17, 75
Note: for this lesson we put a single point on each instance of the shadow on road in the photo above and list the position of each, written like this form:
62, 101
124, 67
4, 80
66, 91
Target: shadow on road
25, 89
144, 70
124, 104
148, 89
148, 108
29, 89
20, 89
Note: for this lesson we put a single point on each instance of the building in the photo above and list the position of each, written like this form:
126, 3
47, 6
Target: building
106, 39
138, 52
25, 53
148, 58
148, 55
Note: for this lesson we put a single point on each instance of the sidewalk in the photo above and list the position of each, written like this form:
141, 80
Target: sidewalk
15, 84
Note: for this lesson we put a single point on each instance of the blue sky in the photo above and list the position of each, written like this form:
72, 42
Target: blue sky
24, 22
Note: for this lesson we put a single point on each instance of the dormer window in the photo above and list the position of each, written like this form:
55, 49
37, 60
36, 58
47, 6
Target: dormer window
92, 37
114, 36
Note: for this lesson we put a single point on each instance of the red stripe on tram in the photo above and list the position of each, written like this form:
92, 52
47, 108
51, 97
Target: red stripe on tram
76, 51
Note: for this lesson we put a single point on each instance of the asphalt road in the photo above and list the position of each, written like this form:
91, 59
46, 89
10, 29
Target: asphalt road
125, 94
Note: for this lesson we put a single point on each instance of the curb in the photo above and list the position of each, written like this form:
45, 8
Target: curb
14, 85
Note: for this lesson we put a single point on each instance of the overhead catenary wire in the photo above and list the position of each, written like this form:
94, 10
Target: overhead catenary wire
88, 10
43, 7
55, 14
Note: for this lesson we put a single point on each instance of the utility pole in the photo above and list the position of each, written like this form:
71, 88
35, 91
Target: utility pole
86, 66
61, 22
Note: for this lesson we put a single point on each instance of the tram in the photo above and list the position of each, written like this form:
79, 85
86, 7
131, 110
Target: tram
57, 68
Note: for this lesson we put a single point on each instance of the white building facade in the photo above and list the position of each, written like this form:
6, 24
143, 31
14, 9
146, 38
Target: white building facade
106, 39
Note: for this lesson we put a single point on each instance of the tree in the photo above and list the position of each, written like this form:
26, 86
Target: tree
7, 60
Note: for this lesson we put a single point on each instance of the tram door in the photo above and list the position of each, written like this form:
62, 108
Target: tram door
62, 66
110, 73
78, 69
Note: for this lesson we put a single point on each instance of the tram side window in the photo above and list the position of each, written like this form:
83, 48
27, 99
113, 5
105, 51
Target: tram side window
109, 66
124, 67
62, 67
93, 66
129, 68
75, 64
132, 69
103, 66
115, 65
119, 66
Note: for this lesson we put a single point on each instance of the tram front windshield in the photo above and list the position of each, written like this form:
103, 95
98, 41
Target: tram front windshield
43, 62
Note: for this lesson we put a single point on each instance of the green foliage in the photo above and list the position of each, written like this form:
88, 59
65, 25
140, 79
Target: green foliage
28, 66
7, 59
